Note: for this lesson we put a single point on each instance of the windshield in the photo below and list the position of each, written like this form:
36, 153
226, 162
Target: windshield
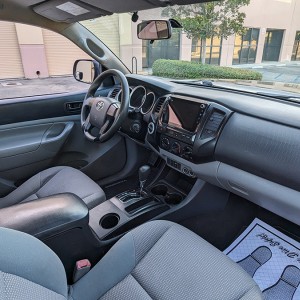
249, 42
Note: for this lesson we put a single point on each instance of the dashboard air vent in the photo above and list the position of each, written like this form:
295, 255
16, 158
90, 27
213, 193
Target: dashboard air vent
114, 93
159, 104
213, 125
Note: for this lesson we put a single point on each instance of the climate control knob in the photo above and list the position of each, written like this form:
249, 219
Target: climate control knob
165, 143
176, 148
187, 152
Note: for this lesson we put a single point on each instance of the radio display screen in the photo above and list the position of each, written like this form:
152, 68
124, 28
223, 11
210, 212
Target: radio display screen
184, 114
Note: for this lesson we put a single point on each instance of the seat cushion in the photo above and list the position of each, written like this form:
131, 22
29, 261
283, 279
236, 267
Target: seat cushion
55, 181
29, 269
163, 260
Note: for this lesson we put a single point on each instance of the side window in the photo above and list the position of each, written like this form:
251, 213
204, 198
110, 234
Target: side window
36, 61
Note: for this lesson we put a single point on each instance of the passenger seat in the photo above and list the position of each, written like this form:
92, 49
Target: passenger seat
157, 260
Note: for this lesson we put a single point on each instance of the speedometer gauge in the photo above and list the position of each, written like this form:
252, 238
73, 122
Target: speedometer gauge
138, 96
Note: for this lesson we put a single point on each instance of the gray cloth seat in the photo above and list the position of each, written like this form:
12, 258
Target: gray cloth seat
54, 181
158, 260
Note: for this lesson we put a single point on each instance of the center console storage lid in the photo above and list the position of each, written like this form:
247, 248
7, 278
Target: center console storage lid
47, 216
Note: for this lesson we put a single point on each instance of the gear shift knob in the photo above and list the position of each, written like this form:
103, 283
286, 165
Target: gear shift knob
144, 172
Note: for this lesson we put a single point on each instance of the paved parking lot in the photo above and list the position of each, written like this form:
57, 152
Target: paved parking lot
30, 87
278, 72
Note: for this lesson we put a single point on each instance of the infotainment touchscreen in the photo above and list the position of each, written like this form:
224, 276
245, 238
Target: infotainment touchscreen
184, 114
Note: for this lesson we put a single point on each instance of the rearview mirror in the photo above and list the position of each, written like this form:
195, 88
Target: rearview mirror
154, 30
86, 70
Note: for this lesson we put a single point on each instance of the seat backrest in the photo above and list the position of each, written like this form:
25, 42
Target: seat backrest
29, 269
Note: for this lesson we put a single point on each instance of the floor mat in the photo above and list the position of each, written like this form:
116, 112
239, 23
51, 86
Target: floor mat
271, 258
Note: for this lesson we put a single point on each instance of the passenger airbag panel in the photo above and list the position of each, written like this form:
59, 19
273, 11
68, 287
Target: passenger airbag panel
263, 148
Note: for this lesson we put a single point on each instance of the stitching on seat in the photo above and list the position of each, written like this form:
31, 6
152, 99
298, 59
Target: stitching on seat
85, 197
135, 262
133, 248
247, 292
25, 200
146, 256
49, 179
46, 181
125, 276
142, 287
40, 184
153, 244
120, 282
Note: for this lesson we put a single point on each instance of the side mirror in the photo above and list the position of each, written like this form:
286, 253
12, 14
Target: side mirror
86, 70
154, 30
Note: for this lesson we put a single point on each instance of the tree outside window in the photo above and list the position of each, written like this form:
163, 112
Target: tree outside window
205, 21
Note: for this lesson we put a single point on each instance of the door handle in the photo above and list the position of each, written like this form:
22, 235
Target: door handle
55, 137
73, 106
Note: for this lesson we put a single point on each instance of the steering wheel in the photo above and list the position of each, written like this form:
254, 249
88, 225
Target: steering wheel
103, 114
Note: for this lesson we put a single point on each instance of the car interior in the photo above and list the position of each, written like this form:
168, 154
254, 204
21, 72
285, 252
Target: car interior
133, 188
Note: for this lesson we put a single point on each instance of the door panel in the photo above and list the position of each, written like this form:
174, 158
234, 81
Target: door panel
31, 144
39, 132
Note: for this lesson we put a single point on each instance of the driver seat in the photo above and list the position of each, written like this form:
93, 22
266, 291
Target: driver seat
54, 181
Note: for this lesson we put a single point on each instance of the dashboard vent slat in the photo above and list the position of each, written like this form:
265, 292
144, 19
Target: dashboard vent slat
159, 104
114, 93
213, 125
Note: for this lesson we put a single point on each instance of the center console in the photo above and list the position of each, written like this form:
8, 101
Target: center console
186, 128
131, 208
178, 124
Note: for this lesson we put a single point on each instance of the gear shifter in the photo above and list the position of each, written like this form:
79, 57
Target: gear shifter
144, 172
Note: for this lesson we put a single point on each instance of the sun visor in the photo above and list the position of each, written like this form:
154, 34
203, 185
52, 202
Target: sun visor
121, 6
68, 11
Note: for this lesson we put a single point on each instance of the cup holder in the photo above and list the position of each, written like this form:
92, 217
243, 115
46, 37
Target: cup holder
160, 190
109, 221
169, 195
173, 198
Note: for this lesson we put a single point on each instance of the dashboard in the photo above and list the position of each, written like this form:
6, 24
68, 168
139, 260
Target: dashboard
244, 143
141, 99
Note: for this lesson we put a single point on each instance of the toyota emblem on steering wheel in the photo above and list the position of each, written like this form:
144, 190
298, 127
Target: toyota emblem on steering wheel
99, 105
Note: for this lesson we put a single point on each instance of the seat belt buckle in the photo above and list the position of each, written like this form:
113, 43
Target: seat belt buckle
81, 268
